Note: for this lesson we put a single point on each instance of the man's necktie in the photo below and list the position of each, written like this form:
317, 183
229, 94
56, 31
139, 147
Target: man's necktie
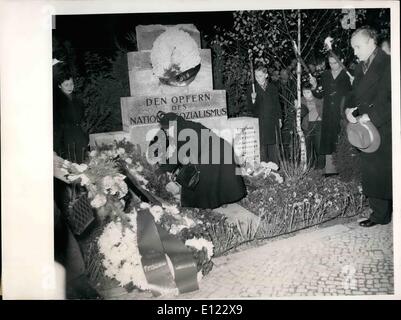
365, 66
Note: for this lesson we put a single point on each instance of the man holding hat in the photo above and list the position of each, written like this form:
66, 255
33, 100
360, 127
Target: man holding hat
369, 114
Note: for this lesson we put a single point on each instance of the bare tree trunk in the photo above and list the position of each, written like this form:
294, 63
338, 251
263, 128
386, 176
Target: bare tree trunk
301, 135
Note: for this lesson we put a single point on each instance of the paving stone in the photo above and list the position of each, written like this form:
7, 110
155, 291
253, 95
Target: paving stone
344, 260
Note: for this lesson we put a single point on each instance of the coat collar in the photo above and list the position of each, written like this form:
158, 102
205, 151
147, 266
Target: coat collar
365, 81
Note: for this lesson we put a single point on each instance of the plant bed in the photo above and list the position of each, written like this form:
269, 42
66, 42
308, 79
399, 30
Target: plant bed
300, 203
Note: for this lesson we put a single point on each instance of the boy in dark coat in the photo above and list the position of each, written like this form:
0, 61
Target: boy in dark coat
370, 100
311, 114
265, 105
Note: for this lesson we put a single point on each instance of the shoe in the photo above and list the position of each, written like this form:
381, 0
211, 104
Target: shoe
326, 175
367, 223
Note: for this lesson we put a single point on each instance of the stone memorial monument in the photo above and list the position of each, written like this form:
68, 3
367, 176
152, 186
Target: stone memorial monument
170, 72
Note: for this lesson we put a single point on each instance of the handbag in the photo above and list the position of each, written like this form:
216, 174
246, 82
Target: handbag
79, 212
187, 175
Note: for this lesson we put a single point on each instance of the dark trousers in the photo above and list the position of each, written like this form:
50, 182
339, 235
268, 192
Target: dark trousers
66, 248
268, 153
382, 210
313, 135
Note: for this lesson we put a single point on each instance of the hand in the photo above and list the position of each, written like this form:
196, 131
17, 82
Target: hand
280, 123
313, 82
350, 117
253, 96
58, 171
363, 118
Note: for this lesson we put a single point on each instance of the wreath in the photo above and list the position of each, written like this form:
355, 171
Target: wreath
175, 57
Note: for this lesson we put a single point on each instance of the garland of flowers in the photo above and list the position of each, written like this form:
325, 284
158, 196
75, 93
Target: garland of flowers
173, 52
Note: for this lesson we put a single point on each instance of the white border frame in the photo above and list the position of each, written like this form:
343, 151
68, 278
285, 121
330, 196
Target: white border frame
26, 127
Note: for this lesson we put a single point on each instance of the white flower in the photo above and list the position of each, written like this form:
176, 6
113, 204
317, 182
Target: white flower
157, 212
84, 180
174, 229
270, 199
80, 167
128, 160
277, 177
99, 201
72, 177
144, 205
188, 222
199, 243
93, 153
107, 182
173, 210
310, 194
120, 151
172, 187
271, 165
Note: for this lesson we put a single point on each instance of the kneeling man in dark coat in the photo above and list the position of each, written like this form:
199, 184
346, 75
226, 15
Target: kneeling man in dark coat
370, 100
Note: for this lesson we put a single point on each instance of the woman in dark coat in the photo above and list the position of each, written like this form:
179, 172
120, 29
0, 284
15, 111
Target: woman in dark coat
219, 183
70, 138
335, 85
70, 142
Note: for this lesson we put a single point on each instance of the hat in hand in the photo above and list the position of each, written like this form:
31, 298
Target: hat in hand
363, 136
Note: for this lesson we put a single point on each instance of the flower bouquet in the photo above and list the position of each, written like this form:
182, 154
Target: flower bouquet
175, 57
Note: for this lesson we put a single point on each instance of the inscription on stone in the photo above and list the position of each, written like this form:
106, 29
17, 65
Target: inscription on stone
138, 110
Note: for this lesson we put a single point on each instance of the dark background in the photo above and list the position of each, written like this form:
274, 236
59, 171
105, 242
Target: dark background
100, 32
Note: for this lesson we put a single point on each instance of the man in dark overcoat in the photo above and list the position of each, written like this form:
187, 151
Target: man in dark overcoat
264, 104
370, 100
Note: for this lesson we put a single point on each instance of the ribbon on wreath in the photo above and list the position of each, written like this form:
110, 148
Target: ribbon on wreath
154, 243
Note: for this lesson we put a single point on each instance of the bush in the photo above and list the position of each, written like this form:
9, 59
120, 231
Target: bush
100, 87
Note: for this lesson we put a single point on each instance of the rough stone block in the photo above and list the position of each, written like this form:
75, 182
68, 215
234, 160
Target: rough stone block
143, 81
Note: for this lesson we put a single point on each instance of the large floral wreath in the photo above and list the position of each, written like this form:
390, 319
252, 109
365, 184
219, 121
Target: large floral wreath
174, 52
118, 243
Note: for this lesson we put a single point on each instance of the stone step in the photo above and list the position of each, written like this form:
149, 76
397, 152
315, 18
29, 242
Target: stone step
237, 214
